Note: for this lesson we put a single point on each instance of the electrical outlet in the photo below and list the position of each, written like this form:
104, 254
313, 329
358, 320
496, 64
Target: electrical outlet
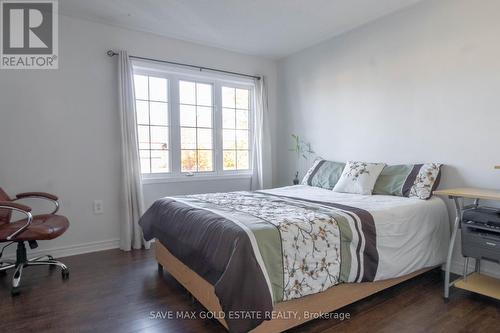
98, 207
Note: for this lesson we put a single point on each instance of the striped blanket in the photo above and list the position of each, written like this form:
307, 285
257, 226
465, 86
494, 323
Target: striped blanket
258, 249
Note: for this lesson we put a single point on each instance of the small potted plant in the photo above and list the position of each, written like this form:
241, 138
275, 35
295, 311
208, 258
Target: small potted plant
303, 151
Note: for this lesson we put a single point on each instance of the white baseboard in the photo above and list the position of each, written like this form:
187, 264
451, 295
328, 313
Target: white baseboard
66, 251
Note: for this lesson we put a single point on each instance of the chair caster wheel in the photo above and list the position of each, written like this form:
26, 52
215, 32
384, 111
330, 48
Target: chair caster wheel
65, 274
15, 291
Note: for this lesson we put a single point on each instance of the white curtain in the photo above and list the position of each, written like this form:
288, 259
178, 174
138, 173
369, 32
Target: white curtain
260, 133
133, 207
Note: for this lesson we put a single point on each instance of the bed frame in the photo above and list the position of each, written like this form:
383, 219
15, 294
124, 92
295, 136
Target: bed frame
324, 302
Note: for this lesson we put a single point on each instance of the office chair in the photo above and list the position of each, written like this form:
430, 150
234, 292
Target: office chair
30, 229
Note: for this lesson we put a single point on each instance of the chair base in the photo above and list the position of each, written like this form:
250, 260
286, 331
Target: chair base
22, 261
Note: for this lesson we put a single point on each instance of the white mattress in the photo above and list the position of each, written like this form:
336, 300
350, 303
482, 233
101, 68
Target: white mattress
411, 233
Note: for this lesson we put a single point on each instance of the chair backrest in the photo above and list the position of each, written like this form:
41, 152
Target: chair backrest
4, 213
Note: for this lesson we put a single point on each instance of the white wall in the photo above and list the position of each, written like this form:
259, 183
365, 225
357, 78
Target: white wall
421, 85
158, 190
59, 129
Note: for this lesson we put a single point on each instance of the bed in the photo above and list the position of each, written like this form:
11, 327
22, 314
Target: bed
271, 260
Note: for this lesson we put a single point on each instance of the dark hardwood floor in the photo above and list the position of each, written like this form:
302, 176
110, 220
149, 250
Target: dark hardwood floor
114, 291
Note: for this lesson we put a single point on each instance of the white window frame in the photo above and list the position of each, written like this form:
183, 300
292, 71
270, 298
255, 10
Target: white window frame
163, 76
174, 75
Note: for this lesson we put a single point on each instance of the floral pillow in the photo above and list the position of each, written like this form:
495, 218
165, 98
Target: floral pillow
409, 180
359, 177
426, 181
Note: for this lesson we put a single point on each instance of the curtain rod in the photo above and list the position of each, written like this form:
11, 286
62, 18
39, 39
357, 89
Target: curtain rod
112, 53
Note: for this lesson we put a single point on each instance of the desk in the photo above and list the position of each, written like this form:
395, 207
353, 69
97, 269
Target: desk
456, 194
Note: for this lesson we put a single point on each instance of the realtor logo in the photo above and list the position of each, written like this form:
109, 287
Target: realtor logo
29, 36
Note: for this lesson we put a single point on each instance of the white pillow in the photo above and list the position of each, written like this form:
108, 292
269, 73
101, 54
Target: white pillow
359, 177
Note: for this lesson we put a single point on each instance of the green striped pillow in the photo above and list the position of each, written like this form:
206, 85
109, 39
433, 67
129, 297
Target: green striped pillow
324, 174
409, 180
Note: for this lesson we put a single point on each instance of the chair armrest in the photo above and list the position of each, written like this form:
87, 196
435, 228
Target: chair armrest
37, 194
19, 208
41, 195
15, 206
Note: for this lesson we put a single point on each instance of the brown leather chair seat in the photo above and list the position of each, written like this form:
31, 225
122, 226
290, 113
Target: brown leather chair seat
43, 227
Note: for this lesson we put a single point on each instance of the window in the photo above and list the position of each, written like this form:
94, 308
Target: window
235, 128
151, 100
196, 113
192, 124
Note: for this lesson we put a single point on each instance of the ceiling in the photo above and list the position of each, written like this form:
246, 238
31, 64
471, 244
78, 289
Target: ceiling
270, 28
